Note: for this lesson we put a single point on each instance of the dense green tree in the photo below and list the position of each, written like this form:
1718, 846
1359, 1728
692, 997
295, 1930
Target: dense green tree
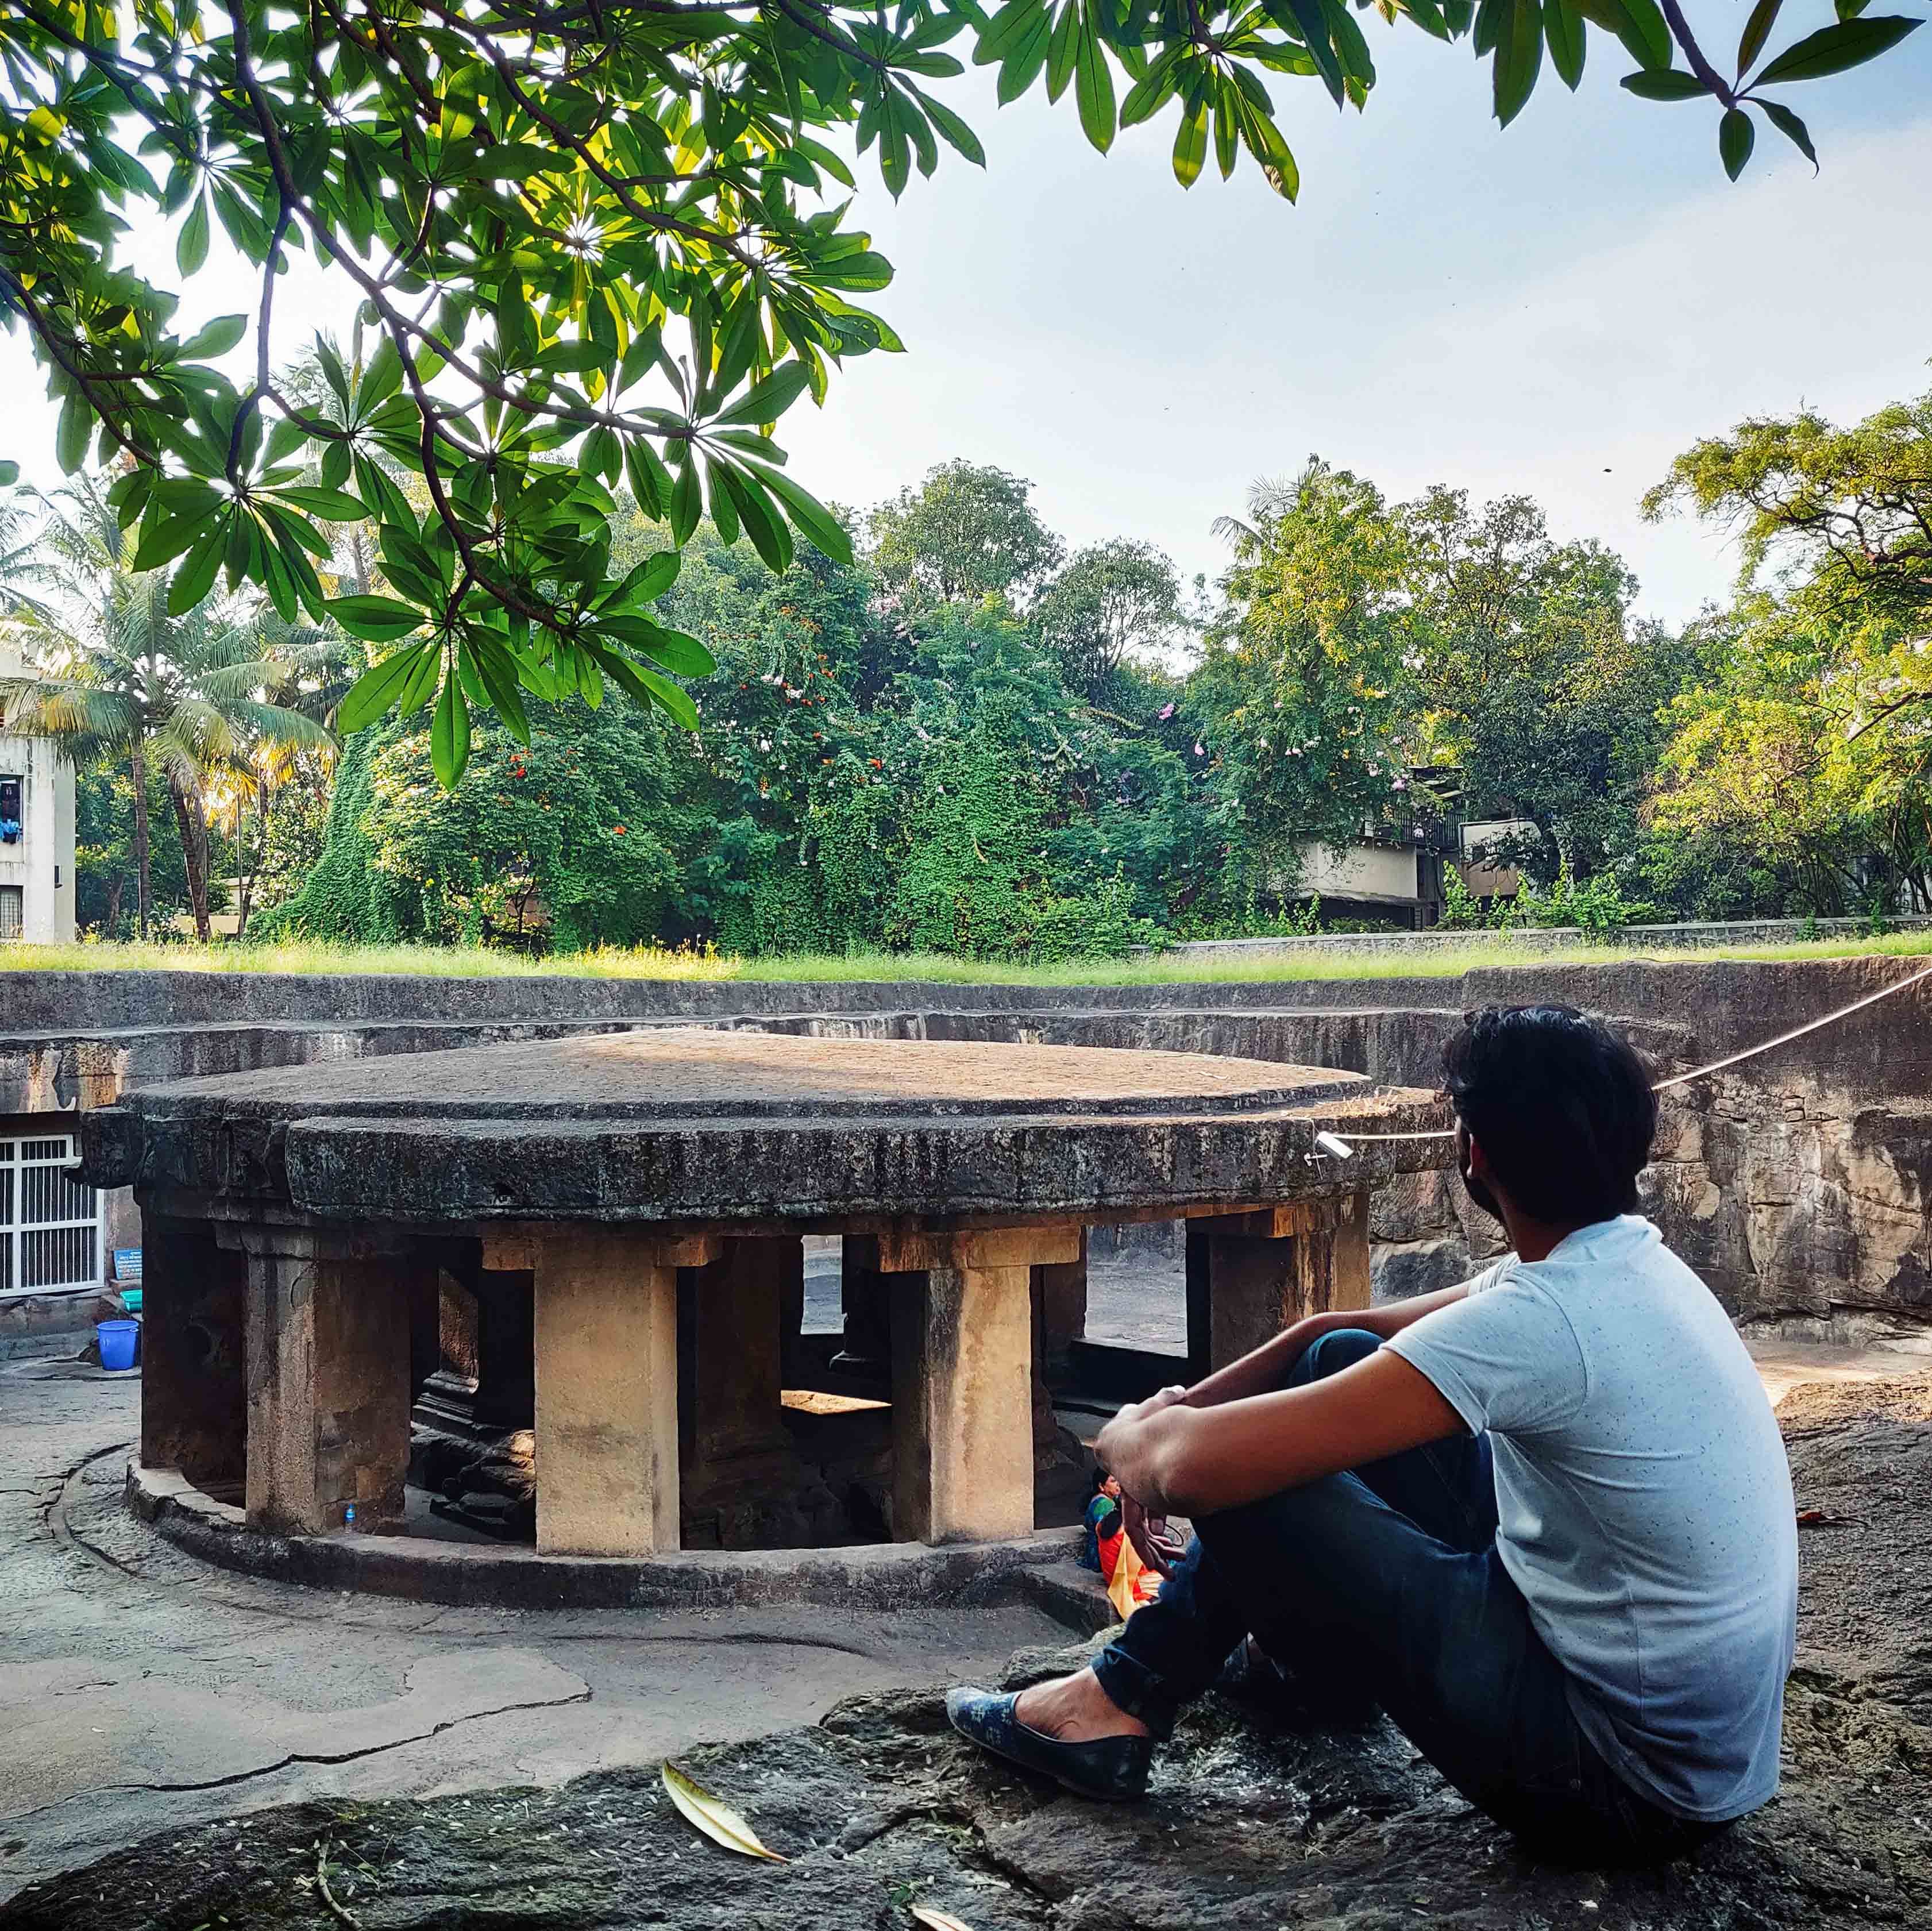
1809, 737
107, 873
967, 533
619, 231
1824, 816
860, 782
568, 830
1013, 832
1534, 677
789, 858
1112, 598
1301, 682
1845, 513
562, 841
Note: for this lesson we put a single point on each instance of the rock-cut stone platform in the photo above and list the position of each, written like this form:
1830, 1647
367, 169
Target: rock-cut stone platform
677, 1124
643, 1196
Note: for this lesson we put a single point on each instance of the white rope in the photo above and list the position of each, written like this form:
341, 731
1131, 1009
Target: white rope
1716, 1065
1796, 1032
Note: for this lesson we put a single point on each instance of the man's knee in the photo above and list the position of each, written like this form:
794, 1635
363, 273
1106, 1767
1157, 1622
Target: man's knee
1330, 1354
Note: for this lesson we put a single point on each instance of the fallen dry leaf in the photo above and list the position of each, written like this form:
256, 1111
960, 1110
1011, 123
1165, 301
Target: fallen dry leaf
714, 1817
937, 1920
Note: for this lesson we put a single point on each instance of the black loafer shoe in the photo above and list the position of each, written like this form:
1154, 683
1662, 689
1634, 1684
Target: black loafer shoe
1112, 1770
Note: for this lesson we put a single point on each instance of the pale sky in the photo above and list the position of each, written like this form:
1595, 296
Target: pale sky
1556, 308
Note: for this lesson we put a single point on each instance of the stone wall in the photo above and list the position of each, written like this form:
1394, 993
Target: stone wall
1797, 1183
1688, 935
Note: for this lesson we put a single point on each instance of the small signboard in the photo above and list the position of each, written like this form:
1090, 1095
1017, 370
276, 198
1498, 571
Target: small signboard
126, 1263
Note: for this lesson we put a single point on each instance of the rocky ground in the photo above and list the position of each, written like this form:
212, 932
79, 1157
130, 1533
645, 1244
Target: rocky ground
878, 1808
143, 1692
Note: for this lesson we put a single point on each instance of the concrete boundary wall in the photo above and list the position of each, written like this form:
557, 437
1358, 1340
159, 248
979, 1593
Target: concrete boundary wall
1721, 1005
1689, 936
1799, 1183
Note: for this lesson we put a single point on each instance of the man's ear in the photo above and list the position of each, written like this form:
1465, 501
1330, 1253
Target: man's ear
1479, 1179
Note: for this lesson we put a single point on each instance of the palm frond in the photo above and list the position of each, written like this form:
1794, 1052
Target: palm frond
275, 725
66, 708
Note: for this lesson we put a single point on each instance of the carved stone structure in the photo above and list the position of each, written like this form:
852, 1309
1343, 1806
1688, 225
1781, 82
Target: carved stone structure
653, 1187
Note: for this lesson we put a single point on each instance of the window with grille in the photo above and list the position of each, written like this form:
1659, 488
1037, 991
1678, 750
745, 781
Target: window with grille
13, 911
49, 1222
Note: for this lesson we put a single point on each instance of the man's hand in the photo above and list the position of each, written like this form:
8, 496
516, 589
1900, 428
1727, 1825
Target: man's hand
1139, 1411
1123, 1447
1195, 1461
1264, 1369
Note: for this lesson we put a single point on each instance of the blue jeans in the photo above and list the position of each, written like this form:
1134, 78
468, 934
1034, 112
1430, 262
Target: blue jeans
1387, 1578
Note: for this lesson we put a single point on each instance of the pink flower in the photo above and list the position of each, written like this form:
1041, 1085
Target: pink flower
1166, 713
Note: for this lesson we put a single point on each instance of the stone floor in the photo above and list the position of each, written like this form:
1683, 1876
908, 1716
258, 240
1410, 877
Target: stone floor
877, 1808
142, 1691
145, 1693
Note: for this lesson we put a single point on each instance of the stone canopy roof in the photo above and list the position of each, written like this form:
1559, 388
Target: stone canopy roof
692, 1126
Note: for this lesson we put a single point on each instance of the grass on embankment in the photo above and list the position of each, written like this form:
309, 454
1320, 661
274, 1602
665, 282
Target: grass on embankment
657, 963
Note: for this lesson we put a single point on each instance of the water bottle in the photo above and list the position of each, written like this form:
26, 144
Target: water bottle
348, 1516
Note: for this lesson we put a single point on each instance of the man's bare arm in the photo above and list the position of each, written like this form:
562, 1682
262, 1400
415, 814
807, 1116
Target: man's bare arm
1258, 1373
1198, 1461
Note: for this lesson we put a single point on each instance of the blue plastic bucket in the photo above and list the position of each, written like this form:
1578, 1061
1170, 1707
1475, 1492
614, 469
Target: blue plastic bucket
117, 1339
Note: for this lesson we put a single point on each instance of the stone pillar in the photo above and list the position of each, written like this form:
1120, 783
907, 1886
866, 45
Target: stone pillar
782, 1258
864, 1296
1062, 1311
606, 1354
1250, 1275
742, 1484
328, 1377
962, 1380
505, 1348
738, 1306
194, 1398
1349, 1283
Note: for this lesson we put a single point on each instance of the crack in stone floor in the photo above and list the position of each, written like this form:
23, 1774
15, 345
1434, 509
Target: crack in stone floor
145, 1691
549, 1814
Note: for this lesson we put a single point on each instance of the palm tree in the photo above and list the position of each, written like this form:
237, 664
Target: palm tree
188, 695
23, 569
309, 670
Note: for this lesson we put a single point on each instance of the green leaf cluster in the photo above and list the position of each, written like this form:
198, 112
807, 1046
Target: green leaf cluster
1804, 744
593, 249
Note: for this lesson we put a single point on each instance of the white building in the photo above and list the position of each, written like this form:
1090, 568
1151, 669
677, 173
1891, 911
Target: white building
36, 832
1374, 878
51, 1249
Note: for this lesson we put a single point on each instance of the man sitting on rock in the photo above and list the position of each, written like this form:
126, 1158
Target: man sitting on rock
1544, 1520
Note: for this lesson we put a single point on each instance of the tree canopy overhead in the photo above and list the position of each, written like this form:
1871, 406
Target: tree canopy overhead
594, 243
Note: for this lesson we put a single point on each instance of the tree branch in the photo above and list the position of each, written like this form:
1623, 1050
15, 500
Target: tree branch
52, 340
1680, 29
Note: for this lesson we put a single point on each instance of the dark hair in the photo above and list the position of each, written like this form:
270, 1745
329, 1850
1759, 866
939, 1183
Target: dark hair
1561, 1104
